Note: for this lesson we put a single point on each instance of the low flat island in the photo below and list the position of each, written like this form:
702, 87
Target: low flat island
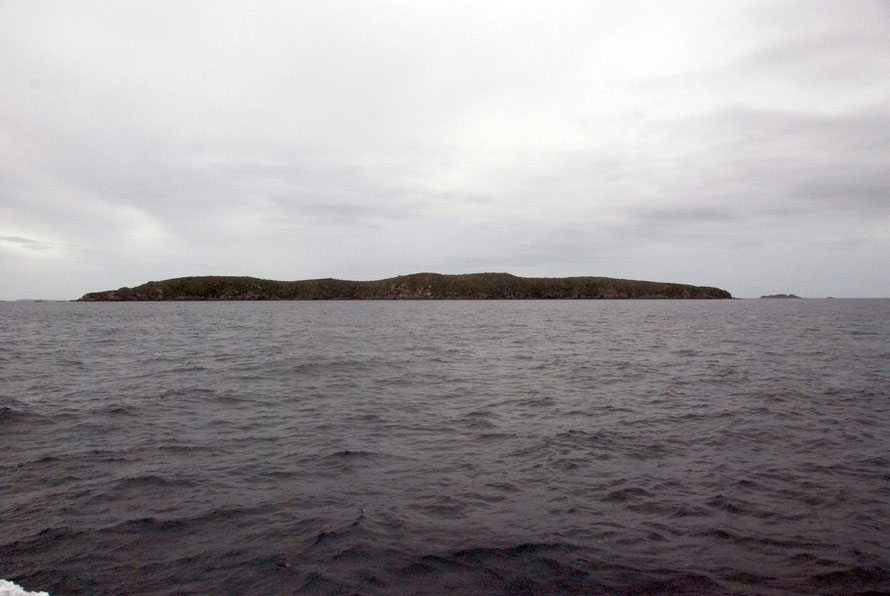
417, 286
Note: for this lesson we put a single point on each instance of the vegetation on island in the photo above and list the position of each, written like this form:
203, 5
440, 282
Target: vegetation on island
418, 286
781, 296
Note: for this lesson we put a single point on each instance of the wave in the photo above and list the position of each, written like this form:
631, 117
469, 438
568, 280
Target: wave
8, 414
15, 411
523, 568
146, 481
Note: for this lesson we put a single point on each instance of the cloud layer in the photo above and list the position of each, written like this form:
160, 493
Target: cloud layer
744, 145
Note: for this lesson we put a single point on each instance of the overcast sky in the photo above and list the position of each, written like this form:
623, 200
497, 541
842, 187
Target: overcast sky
744, 145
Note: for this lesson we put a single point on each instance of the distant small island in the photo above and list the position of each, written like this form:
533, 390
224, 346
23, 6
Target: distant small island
417, 286
781, 296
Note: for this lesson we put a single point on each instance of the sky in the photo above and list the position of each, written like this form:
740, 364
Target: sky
738, 144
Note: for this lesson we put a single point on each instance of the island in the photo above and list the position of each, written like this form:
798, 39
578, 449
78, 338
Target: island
781, 296
417, 286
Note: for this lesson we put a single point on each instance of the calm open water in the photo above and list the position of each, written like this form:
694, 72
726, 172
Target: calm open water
451, 446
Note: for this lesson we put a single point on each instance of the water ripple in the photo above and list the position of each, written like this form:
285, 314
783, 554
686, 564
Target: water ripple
446, 447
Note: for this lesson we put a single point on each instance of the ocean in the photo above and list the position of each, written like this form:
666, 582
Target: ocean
429, 447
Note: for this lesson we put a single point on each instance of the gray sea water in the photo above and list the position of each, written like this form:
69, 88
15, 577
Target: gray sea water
529, 447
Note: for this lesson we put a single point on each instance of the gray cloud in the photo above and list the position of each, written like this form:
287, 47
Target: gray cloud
741, 145
28, 243
688, 215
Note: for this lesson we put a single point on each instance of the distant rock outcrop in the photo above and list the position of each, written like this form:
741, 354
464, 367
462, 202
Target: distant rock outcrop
418, 286
781, 296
